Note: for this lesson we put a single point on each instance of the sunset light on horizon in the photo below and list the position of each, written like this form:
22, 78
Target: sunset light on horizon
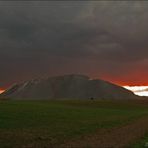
1, 91
138, 90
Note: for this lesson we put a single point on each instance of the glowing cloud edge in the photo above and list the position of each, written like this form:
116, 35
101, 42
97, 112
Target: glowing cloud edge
138, 90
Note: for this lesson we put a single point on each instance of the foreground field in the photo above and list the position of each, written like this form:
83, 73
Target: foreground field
38, 124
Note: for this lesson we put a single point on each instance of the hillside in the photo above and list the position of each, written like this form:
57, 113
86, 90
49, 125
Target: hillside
67, 87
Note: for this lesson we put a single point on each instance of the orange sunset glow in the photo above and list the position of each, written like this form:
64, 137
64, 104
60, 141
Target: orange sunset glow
1, 91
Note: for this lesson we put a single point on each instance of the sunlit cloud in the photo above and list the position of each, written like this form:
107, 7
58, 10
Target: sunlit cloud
138, 90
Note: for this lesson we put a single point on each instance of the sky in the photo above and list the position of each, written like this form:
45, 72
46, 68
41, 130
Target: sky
101, 39
138, 90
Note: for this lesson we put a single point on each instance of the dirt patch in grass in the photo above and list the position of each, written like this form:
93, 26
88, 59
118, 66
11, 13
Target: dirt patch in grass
111, 138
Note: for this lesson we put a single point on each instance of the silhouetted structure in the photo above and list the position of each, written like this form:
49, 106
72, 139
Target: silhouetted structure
67, 87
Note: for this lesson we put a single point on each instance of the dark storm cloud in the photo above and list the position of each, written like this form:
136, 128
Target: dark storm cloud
99, 38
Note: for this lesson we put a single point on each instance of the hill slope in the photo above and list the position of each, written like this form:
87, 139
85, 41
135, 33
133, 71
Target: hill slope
68, 86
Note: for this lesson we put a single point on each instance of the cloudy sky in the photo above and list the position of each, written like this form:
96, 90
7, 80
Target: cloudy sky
101, 39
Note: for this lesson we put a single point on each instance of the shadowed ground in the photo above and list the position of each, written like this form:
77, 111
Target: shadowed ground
113, 138
38, 124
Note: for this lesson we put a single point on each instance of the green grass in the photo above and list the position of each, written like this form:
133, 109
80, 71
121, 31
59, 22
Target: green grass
44, 123
142, 143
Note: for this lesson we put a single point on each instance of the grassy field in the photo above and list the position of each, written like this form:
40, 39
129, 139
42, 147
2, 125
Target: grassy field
143, 142
51, 123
